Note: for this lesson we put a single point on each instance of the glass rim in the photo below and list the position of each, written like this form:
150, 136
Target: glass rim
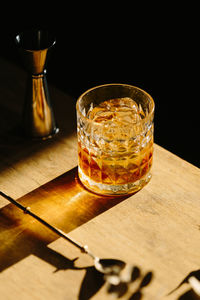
114, 84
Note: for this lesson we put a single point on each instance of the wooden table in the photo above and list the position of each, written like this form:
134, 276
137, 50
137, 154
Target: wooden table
157, 230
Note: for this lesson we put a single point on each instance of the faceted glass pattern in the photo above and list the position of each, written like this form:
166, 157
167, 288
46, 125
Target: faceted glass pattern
115, 139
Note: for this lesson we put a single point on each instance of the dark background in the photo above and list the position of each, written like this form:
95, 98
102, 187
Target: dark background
152, 47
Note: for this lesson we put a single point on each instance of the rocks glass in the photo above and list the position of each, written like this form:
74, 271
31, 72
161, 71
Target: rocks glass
115, 138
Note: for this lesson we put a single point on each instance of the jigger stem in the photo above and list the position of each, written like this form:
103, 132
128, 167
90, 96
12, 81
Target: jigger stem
38, 118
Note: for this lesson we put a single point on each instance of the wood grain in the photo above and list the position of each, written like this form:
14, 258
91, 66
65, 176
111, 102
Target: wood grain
156, 230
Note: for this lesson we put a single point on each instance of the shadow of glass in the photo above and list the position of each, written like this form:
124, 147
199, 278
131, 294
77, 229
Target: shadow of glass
63, 202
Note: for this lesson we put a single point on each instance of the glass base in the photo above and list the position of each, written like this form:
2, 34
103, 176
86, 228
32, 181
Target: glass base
109, 189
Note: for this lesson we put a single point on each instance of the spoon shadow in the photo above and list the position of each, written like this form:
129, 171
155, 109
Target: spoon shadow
91, 284
93, 279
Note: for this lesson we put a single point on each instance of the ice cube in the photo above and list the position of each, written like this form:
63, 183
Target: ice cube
103, 116
125, 117
120, 104
116, 112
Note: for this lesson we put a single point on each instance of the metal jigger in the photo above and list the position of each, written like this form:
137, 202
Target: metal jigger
38, 118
